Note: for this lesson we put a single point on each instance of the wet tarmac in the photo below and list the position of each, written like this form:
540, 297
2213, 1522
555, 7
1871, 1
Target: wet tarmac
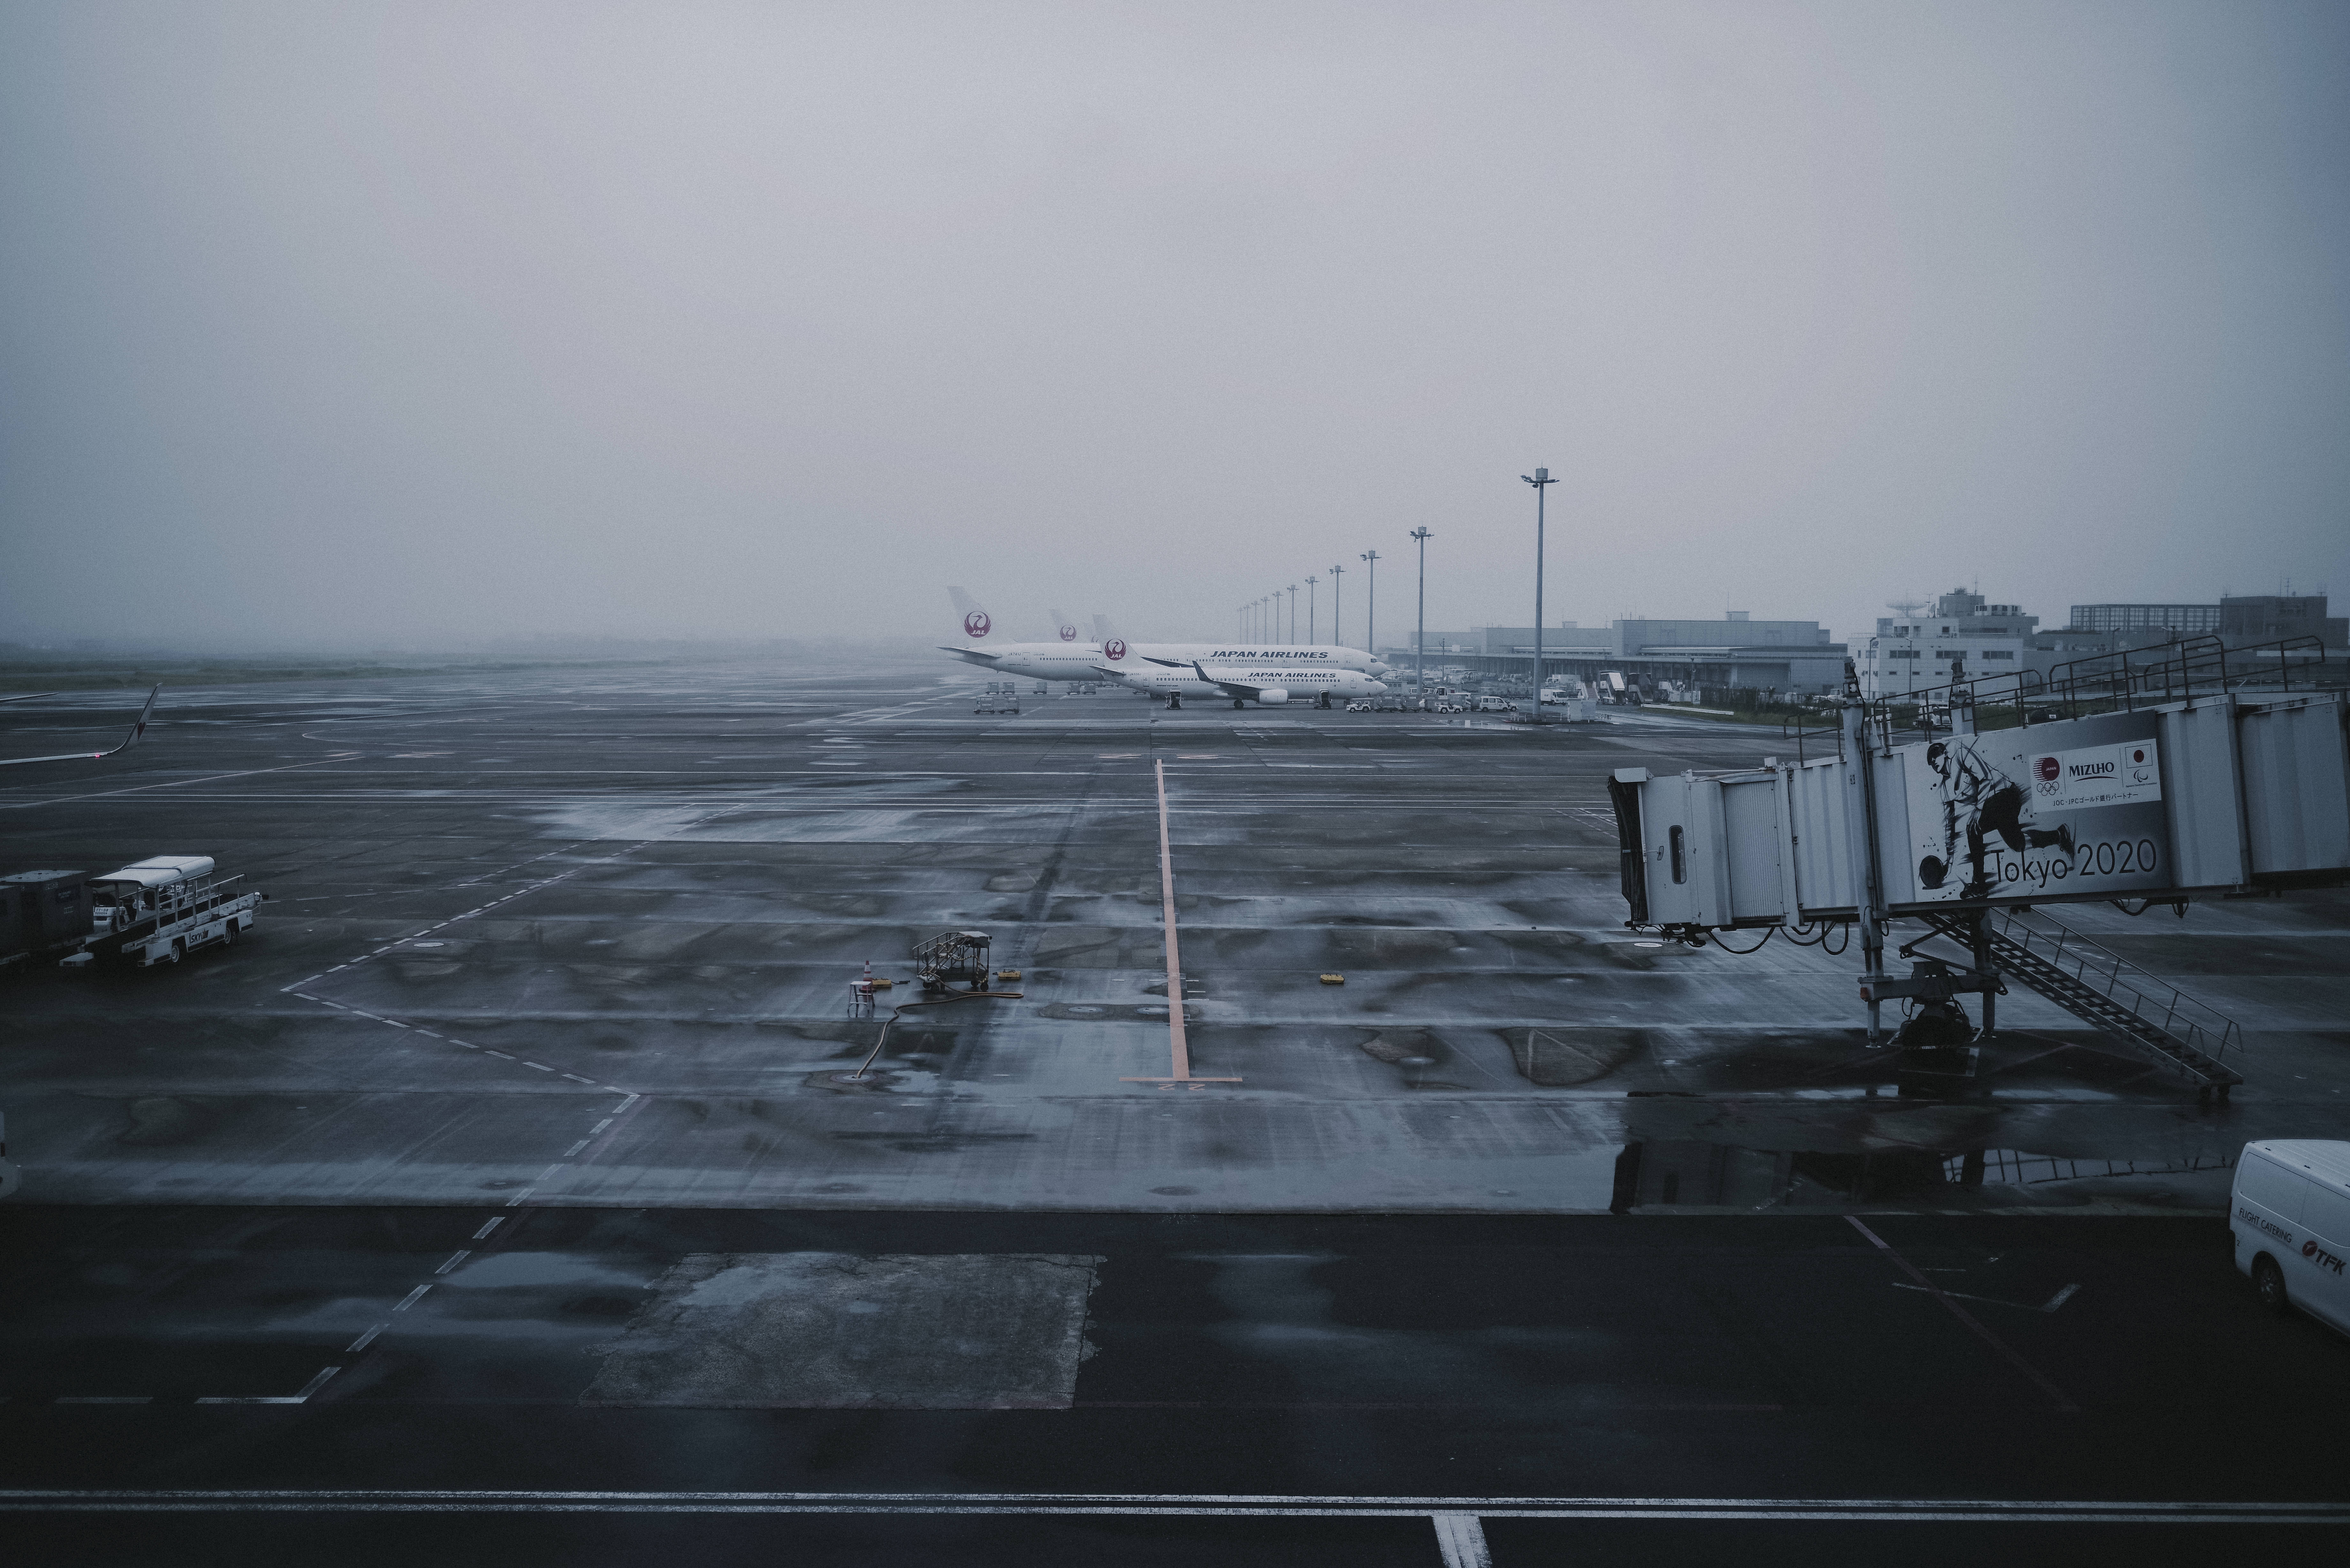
510, 916
549, 1012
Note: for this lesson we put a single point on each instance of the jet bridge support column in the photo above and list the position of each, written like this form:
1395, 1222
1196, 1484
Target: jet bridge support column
1868, 894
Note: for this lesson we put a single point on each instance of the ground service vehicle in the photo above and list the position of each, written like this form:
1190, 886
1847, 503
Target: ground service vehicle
43, 913
2290, 1215
160, 909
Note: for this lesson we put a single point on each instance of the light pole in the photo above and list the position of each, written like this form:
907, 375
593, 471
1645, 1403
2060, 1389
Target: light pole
1310, 581
1420, 638
1541, 479
1371, 636
1338, 621
1293, 613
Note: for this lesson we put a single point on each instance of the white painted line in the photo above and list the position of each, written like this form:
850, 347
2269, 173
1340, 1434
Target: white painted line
573, 1152
2060, 1298
515, 1200
498, 1054
248, 1400
495, 1221
540, 1065
413, 1297
1914, 1510
363, 1341
632, 1100
455, 1258
548, 1174
317, 1383
600, 1126
1460, 1537
577, 1079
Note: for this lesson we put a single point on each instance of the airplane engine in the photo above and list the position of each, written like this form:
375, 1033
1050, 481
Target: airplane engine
1273, 696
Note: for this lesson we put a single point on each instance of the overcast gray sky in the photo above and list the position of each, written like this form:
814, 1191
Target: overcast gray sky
408, 322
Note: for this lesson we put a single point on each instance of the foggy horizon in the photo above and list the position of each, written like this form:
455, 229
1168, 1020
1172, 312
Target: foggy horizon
426, 325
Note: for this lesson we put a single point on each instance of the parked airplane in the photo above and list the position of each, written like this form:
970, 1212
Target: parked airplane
138, 729
1267, 686
1073, 659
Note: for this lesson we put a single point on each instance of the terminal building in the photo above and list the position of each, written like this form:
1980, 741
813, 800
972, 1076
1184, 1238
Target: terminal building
1734, 651
1914, 650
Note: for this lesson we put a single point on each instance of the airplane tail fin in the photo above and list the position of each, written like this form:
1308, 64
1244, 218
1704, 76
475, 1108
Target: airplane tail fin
1064, 628
1103, 630
975, 621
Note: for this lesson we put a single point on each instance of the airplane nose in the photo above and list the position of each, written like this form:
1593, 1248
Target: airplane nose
1379, 688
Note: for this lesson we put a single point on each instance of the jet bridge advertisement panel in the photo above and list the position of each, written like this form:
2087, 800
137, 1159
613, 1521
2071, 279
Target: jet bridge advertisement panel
2004, 815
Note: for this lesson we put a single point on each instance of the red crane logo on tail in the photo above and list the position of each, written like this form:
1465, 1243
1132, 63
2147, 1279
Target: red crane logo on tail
1068, 634
975, 623
1114, 648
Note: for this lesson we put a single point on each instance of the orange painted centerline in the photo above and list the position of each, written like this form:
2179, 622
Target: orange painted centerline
1178, 1048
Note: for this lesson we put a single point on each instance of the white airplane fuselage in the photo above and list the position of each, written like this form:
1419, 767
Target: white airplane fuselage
1087, 660
1296, 683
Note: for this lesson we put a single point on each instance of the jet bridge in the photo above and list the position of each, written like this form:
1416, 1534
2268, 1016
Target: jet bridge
2175, 783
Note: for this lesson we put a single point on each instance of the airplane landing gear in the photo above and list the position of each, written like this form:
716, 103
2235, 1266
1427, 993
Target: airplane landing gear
1238, 704
1174, 700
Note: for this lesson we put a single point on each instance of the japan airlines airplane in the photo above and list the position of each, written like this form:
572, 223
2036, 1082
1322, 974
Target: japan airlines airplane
1266, 685
1071, 659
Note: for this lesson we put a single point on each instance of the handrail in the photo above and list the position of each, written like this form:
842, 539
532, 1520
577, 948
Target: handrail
2151, 1000
2176, 670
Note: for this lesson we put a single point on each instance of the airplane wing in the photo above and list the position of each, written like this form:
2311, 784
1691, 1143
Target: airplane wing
974, 654
137, 730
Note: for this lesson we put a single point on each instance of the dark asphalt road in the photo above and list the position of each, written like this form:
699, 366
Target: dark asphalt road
1261, 1357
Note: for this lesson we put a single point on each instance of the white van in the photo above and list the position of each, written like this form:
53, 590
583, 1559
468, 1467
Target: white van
2290, 1214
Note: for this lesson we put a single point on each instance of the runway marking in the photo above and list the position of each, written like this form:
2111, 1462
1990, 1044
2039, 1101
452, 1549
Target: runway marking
363, 1341
301, 1398
2062, 1400
1906, 1511
170, 784
455, 1258
1178, 1048
413, 1297
495, 1221
1460, 1540
2050, 1305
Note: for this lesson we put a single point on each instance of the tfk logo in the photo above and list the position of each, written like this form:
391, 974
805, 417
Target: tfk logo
2320, 1256
976, 624
1113, 648
1068, 634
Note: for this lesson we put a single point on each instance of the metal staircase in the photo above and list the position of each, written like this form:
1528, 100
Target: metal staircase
2107, 992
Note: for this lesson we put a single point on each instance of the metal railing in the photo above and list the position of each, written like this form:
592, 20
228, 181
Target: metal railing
2153, 1002
2080, 688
